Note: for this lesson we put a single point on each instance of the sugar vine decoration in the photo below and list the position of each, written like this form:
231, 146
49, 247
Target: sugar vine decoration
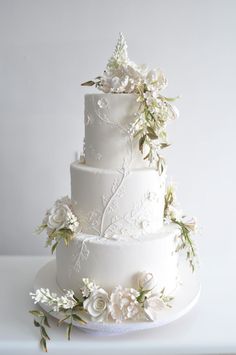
187, 226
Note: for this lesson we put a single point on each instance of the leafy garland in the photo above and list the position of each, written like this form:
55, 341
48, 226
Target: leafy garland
41, 323
96, 304
150, 126
187, 226
56, 236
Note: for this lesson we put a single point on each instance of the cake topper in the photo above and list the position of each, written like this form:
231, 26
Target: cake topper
123, 76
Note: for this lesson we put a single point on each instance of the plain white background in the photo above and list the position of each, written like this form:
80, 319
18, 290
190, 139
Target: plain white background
47, 48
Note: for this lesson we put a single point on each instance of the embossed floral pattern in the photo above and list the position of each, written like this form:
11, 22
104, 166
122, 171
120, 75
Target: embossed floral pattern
103, 103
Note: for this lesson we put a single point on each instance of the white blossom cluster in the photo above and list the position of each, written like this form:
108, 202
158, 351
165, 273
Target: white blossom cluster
173, 212
124, 76
43, 295
124, 303
60, 216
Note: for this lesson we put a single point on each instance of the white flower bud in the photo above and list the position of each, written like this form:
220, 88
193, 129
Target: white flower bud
146, 281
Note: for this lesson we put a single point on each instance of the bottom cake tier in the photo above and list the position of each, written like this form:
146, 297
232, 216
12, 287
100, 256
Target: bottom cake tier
111, 262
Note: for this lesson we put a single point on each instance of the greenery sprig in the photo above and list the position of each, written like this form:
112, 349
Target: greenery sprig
69, 306
187, 226
41, 322
72, 315
56, 236
186, 243
144, 294
165, 298
150, 125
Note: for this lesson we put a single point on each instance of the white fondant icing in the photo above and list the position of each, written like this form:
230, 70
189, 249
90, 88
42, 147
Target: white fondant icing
111, 262
119, 202
114, 202
107, 122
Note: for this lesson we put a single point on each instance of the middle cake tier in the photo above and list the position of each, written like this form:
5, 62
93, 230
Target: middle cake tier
112, 203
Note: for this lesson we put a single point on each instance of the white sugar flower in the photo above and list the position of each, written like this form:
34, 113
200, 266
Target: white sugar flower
173, 111
72, 222
61, 216
43, 295
123, 79
57, 217
119, 84
124, 304
146, 281
155, 80
152, 306
120, 55
40, 295
121, 75
67, 301
190, 224
89, 286
97, 305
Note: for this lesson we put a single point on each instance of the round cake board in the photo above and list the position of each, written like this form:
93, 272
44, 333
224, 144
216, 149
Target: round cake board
186, 297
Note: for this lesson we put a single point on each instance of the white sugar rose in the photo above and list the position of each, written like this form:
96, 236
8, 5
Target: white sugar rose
61, 216
146, 281
124, 304
58, 216
152, 306
156, 80
97, 305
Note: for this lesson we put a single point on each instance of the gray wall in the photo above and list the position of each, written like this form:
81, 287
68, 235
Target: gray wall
47, 48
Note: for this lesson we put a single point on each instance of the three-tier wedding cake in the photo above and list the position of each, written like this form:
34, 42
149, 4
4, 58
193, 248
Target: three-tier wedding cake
119, 237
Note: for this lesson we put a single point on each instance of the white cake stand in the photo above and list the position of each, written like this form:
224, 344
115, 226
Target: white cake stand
186, 297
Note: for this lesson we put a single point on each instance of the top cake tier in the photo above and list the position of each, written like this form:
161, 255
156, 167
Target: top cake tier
108, 143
